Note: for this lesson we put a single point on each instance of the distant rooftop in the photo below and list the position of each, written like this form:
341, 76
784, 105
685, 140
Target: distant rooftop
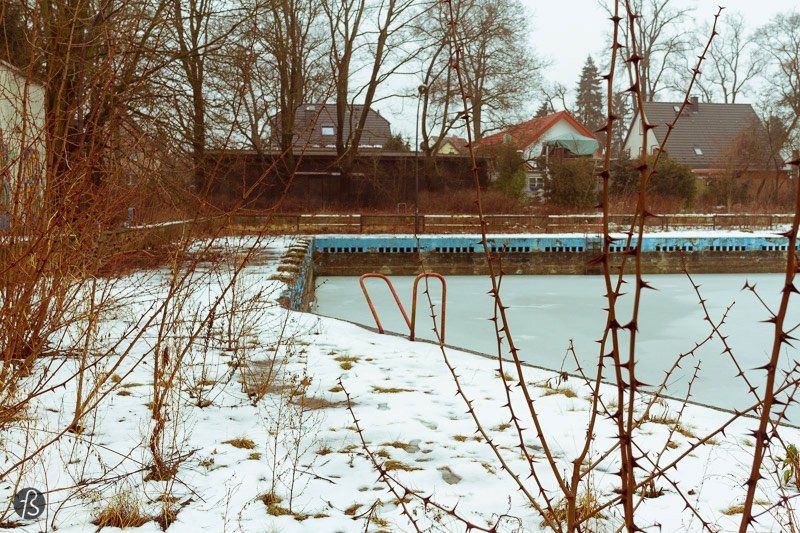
527, 133
703, 132
315, 127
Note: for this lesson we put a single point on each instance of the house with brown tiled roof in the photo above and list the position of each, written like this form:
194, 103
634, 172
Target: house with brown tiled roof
533, 135
704, 134
316, 124
540, 137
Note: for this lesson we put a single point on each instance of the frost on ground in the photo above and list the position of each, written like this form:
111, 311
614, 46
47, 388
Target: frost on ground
260, 433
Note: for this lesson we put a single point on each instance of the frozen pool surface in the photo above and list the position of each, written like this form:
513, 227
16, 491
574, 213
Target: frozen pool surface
547, 311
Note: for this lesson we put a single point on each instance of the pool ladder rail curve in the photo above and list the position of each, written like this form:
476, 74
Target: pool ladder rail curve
410, 323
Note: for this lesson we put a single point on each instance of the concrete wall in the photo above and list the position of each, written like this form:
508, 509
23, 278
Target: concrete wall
352, 264
634, 141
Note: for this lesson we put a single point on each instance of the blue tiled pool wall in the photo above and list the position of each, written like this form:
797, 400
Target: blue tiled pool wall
470, 244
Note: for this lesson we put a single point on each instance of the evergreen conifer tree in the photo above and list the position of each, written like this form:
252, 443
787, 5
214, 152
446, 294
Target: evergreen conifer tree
589, 100
543, 110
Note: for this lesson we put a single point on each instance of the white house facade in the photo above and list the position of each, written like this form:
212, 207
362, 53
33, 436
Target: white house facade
22, 113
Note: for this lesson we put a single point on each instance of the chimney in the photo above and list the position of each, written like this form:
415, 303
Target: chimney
694, 104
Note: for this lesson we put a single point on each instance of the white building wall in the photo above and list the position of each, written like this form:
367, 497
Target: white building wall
635, 140
21, 139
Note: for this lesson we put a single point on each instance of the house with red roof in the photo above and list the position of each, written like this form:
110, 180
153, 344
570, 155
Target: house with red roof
544, 137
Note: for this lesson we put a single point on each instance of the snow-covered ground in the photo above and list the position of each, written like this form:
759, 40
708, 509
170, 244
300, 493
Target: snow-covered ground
302, 449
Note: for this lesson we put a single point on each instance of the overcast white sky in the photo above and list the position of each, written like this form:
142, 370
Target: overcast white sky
565, 31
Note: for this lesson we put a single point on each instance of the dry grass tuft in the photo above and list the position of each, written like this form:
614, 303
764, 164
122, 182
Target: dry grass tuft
241, 442
325, 450
389, 390
346, 361
406, 447
393, 464
315, 402
586, 510
739, 507
272, 501
353, 509
734, 509
121, 511
565, 391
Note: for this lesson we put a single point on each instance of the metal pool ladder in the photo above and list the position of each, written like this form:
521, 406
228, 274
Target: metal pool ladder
412, 322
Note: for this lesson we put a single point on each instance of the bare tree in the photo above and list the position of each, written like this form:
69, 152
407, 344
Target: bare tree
296, 49
662, 40
779, 42
93, 59
436, 94
498, 53
191, 25
245, 81
732, 62
198, 31
500, 69
277, 55
555, 96
13, 30
365, 36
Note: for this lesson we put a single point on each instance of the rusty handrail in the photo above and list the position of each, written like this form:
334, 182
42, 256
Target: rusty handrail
394, 294
419, 277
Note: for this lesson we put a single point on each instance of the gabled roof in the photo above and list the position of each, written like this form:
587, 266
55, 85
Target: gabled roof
458, 143
710, 129
527, 133
312, 118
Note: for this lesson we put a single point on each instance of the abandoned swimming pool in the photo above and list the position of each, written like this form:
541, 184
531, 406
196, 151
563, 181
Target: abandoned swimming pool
549, 309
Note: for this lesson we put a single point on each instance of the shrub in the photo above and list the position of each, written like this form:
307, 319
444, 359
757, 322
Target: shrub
670, 180
571, 183
726, 190
510, 170
674, 179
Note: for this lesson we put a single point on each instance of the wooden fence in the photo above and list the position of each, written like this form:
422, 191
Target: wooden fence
394, 224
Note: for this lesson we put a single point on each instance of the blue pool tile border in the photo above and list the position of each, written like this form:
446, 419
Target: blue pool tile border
544, 243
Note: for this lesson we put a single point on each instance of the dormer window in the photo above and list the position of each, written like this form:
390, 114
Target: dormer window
328, 130
697, 151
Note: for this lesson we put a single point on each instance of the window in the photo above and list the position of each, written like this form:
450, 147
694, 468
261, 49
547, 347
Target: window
697, 151
327, 130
